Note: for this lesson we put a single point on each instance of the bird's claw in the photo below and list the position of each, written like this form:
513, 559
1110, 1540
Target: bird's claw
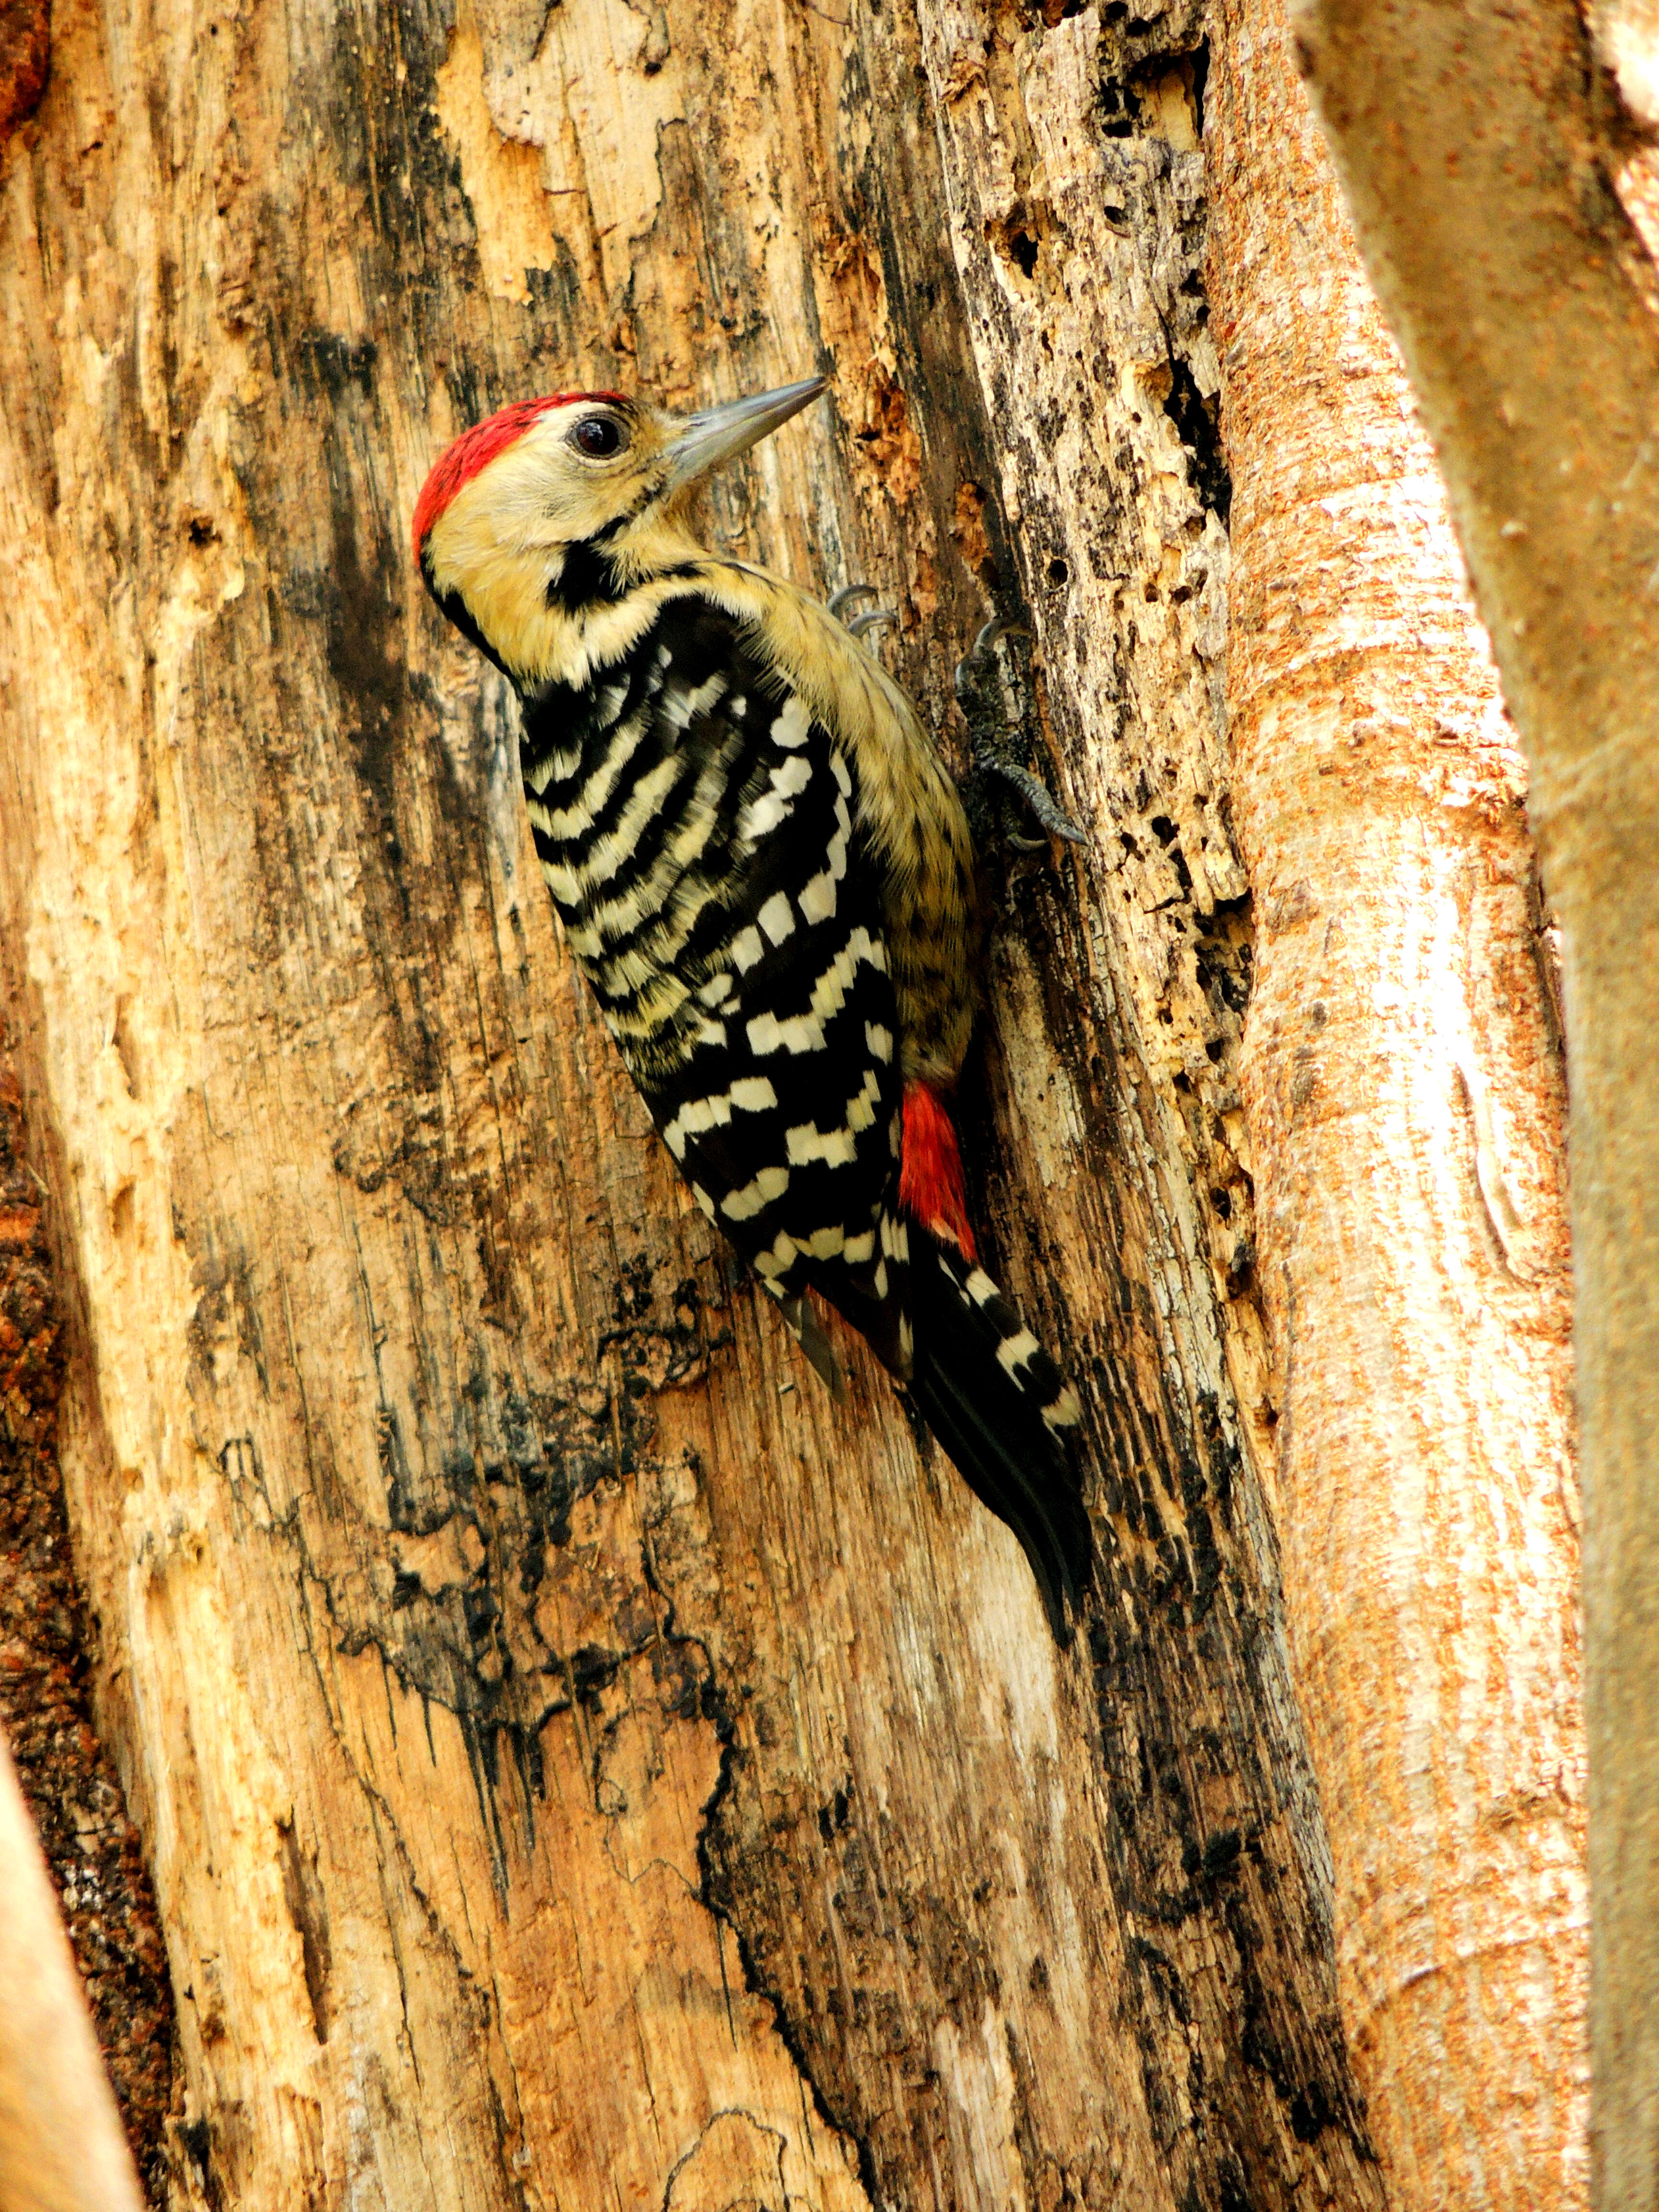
858, 625
1036, 794
979, 651
991, 754
844, 599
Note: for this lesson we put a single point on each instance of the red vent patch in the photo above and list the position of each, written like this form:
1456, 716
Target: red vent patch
930, 1170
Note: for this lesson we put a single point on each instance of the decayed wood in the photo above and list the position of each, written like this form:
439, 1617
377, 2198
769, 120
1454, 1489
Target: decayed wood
1076, 193
576, 1757
93, 1853
1523, 303
25, 51
1404, 1100
61, 2145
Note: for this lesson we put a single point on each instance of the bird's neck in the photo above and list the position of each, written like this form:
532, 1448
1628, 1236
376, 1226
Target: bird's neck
558, 613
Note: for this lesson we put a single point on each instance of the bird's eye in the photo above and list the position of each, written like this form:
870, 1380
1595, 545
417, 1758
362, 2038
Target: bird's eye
598, 436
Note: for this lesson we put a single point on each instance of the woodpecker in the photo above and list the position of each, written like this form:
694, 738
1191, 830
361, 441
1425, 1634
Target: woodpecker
765, 873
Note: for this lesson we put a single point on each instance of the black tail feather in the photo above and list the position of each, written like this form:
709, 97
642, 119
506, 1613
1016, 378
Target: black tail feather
989, 1412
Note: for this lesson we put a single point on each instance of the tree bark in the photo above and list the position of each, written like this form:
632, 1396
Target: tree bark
61, 2145
1523, 302
575, 1758
93, 1853
1405, 1101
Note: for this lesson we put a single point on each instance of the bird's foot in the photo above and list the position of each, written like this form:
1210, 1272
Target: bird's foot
979, 696
859, 624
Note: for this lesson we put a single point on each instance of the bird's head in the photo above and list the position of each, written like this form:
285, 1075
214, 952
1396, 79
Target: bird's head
554, 509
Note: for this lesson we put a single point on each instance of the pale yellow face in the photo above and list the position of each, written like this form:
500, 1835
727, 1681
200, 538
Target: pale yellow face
555, 526
590, 479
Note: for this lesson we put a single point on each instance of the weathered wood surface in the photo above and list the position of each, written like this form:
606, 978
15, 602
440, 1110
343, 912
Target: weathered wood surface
575, 1758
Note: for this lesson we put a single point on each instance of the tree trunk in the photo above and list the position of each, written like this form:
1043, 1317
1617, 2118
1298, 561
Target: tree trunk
1524, 302
1404, 1099
579, 1763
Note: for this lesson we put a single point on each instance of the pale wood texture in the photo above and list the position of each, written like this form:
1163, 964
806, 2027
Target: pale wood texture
1524, 305
1405, 1105
579, 1763
61, 2145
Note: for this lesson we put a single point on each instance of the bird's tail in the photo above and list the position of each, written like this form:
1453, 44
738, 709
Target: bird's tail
1004, 1412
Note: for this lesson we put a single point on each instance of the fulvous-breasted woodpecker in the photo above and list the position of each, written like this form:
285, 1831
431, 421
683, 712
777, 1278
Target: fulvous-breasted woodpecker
765, 873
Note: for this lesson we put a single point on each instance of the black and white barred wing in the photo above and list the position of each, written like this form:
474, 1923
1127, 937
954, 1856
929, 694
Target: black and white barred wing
715, 888
785, 1111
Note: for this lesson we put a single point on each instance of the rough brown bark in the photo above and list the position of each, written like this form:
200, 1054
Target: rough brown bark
92, 1850
25, 51
572, 1755
1523, 300
61, 2145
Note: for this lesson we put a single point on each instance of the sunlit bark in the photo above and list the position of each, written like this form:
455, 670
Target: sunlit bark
1522, 299
1404, 1095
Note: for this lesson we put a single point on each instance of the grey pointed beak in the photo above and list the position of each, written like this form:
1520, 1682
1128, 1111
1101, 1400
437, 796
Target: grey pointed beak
719, 434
